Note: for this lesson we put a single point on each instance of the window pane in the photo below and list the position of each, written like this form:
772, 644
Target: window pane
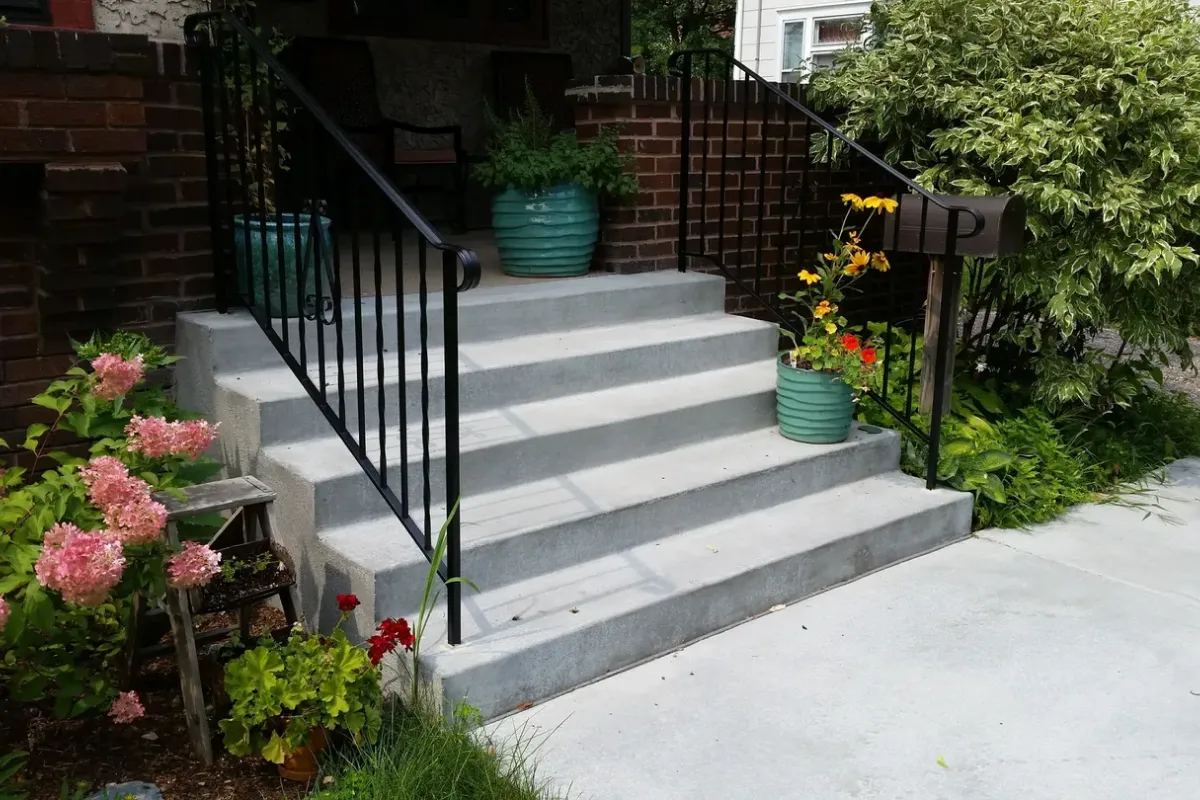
842, 30
822, 61
793, 45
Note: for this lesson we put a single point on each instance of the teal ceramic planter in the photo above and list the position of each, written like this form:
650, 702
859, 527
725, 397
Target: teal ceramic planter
813, 407
258, 242
549, 234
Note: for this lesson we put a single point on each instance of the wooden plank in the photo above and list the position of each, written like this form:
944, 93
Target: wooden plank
189, 668
943, 269
207, 498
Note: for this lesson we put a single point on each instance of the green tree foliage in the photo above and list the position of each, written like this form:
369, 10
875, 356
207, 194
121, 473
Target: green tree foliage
1088, 109
660, 27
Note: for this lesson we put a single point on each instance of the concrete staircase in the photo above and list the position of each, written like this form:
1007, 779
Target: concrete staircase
625, 490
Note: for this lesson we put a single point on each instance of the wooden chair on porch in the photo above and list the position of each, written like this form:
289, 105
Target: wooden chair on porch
340, 74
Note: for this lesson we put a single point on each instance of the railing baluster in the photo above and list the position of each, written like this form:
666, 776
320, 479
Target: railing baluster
356, 266
423, 300
401, 353
239, 123
781, 205
453, 489
762, 193
208, 102
273, 160
684, 159
741, 219
727, 91
338, 347
320, 257
379, 350
260, 177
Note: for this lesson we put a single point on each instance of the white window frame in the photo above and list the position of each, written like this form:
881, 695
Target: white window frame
810, 16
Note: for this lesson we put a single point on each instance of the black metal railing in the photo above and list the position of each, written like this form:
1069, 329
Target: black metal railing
316, 242
760, 196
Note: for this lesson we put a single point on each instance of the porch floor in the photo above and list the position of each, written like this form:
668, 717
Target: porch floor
481, 241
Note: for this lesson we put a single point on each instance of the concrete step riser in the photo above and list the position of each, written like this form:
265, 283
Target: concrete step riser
506, 560
489, 322
586, 654
286, 420
538, 458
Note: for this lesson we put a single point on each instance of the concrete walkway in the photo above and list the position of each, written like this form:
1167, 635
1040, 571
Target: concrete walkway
1062, 663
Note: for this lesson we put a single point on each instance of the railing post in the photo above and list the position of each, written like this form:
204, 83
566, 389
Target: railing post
685, 88
200, 42
945, 290
453, 489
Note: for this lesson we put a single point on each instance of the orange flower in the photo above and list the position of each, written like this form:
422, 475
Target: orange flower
822, 309
850, 342
868, 355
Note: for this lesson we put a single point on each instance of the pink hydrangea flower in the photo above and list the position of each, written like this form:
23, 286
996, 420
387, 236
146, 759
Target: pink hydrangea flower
4, 612
194, 567
126, 708
125, 500
193, 437
83, 567
137, 522
155, 437
117, 376
110, 484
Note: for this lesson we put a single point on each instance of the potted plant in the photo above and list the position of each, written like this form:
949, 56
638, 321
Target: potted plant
285, 697
266, 239
829, 366
546, 216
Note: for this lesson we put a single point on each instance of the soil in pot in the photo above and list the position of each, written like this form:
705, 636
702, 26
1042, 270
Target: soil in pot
812, 407
249, 572
301, 763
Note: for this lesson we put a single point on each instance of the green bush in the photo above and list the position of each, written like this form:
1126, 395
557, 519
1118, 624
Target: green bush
526, 152
1089, 110
1026, 464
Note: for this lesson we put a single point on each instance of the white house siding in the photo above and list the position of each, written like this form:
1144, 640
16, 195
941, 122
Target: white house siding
758, 41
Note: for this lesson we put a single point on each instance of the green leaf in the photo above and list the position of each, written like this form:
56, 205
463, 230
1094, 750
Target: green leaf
275, 750
992, 460
993, 489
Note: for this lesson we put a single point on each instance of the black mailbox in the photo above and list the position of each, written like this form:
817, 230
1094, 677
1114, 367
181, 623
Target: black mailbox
1002, 232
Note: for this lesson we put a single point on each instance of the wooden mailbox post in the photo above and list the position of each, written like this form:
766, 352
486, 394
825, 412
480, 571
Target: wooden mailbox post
986, 227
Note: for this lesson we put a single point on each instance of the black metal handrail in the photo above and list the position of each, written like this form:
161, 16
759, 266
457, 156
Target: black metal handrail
270, 144
801, 207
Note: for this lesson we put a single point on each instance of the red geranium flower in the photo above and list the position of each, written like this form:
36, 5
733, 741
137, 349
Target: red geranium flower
868, 355
347, 603
380, 646
398, 631
850, 342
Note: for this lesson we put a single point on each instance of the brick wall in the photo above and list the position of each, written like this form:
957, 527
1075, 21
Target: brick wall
755, 195
103, 222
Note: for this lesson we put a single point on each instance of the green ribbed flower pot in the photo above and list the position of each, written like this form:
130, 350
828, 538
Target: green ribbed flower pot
288, 256
813, 407
548, 234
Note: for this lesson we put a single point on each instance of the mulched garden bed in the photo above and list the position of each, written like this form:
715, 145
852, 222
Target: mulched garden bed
155, 748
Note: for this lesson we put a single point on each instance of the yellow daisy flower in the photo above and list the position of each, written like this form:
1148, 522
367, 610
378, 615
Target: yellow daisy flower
880, 262
860, 258
853, 200
852, 269
809, 277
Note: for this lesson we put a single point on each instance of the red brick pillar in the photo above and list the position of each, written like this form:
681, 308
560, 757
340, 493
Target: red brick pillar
103, 222
640, 234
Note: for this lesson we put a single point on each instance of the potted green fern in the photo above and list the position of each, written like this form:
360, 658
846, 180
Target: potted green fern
546, 216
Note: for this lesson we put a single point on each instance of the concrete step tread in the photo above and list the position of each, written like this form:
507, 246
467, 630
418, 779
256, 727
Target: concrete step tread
547, 504
486, 429
278, 383
522, 615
